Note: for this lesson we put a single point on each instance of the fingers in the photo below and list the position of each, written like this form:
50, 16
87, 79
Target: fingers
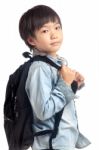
79, 77
67, 69
80, 80
69, 75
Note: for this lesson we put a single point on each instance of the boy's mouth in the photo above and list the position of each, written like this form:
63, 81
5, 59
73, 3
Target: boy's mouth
55, 43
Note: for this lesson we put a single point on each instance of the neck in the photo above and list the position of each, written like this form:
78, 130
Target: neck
37, 52
54, 55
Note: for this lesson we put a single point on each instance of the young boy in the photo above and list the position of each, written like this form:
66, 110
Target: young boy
48, 89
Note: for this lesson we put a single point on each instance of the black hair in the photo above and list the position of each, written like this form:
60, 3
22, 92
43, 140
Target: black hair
34, 19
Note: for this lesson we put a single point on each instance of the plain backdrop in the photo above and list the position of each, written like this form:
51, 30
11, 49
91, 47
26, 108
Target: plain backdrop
80, 19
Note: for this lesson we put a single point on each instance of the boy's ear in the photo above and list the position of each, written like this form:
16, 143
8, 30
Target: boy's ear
30, 40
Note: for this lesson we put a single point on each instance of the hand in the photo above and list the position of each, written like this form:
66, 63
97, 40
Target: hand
80, 80
67, 74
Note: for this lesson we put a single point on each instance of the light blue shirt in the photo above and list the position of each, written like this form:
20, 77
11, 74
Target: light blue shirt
48, 94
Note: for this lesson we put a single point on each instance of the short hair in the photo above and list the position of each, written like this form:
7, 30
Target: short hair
34, 19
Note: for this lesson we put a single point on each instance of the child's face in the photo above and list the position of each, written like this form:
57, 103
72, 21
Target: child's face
48, 38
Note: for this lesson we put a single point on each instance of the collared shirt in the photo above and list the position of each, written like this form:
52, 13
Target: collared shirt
48, 94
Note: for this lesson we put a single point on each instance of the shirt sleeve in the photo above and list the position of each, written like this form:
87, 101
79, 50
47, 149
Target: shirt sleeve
46, 100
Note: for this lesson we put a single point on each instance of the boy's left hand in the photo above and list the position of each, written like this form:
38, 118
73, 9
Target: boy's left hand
79, 79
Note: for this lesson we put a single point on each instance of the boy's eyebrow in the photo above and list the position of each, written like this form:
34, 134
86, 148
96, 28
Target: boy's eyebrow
46, 25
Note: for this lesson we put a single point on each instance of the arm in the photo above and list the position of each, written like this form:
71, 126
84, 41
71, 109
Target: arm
46, 100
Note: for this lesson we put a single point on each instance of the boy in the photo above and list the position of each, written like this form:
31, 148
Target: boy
41, 29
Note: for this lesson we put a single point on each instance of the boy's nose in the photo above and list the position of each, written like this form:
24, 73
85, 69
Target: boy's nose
53, 35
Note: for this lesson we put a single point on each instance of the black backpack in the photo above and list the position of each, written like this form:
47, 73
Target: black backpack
18, 114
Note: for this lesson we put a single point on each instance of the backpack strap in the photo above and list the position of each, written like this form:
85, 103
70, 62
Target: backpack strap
40, 58
46, 60
56, 125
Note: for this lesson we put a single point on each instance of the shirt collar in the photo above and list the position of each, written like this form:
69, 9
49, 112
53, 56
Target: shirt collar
58, 60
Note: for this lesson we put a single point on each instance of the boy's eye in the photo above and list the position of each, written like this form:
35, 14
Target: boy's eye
44, 31
58, 27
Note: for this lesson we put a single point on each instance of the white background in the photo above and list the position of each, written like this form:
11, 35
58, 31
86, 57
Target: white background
80, 19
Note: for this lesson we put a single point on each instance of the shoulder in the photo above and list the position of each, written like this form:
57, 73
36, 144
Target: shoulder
40, 67
39, 72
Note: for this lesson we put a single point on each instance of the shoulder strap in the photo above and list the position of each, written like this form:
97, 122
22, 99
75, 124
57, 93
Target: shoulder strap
40, 58
56, 125
45, 59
